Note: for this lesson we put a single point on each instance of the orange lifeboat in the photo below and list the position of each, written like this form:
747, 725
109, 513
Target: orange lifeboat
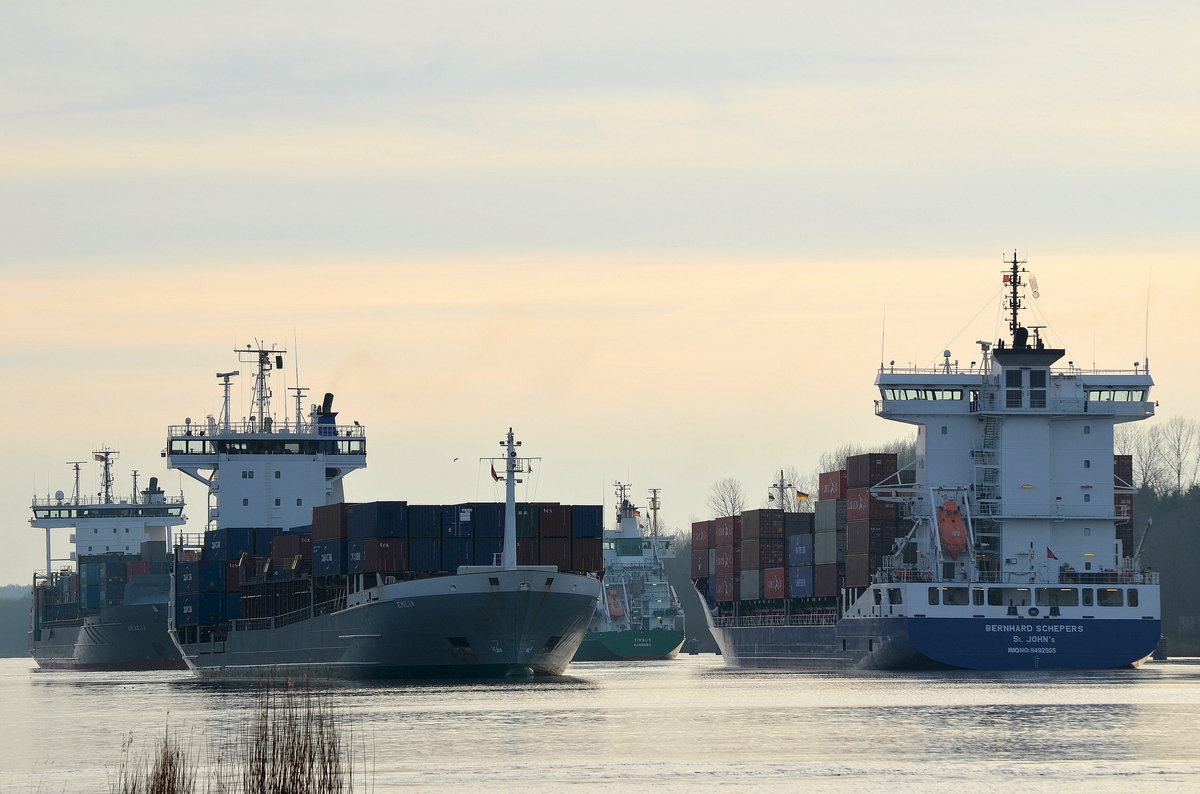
616, 609
951, 529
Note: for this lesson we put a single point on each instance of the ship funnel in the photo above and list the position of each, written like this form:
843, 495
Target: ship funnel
153, 484
327, 406
1021, 337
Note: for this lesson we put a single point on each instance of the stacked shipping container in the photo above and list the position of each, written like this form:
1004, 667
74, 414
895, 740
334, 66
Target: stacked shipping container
253, 569
749, 557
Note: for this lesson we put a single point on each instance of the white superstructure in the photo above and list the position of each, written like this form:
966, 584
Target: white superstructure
267, 469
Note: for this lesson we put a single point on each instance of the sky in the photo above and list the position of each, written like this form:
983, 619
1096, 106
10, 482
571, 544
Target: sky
668, 243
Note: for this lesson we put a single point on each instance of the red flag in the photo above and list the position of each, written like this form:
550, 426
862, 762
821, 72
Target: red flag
1007, 278
1050, 554
99, 457
495, 476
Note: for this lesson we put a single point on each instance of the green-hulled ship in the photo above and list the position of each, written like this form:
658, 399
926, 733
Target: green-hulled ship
638, 614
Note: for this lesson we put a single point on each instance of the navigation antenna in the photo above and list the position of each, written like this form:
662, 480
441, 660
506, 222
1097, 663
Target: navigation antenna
75, 464
654, 505
261, 358
1014, 281
512, 467
225, 383
783, 487
105, 457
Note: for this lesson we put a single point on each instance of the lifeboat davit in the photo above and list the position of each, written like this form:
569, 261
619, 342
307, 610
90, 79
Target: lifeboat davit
616, 609
952, 530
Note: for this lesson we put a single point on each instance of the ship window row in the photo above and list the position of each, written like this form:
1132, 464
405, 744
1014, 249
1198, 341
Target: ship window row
122, 512
1117, 395
191, 446
922, 394
1033, 596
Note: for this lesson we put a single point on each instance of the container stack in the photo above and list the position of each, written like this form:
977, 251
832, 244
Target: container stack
266, 572
1123, 502
764, 549
727, 562
704, 559
829, 534
798, 537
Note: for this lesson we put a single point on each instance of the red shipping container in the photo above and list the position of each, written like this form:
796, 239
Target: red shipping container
556, 551
860, 504
825, 579
235, 574
725, 587
699, 563
727, 531
701, 534
554, 521
774, 583
331, 521
528, 552
587, 554
875, 538
725, 559
871, 468
832, 485
759, 523
385, 555
858, 570
136, 568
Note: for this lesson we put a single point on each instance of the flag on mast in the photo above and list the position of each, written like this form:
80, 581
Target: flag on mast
495, 476
1050, 555
801, 495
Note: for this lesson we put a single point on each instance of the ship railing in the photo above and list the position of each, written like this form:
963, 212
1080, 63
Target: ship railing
822, 618
288, 618
890, 575
50, 501
276, 429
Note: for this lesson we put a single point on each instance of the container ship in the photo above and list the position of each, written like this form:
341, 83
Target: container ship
109, 612
638, 616
1006, 544
307, 584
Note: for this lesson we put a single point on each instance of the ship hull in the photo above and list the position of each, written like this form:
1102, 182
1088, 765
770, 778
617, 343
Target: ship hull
448, 627
630, 645
124, 637
902, 643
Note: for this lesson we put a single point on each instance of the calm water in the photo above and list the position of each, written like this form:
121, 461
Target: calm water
669, 726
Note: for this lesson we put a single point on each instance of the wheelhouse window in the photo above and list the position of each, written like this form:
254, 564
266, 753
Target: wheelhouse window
1116, 395
921, 393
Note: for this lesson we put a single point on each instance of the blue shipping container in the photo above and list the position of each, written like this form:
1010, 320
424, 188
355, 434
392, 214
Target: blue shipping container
354, 556
212, 576
587, 521
464, 522
711, 590
486, 550
424, 554
187, 577
89, 596
187, 609
262, 540
212, 608
233, 606
800, 581
424, 521
329, 557
229, 543
456, 552
800, 550
488, 518
378, 520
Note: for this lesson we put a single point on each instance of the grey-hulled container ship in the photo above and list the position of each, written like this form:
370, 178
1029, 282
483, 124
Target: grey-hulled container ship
109, 612
286, 591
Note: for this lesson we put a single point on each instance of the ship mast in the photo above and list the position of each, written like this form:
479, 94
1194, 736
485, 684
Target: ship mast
1014, 297
654, 505
105, 456
782, 488
512, 467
